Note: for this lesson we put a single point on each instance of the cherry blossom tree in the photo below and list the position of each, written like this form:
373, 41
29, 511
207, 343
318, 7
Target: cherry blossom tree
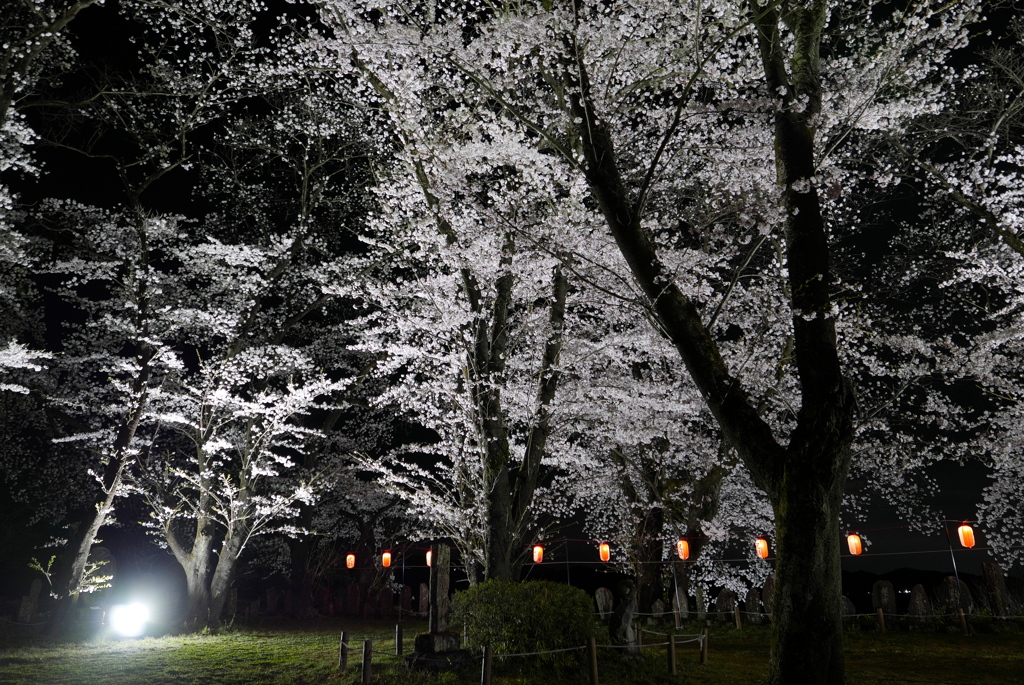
35, 49
148, 287
743, 110
227, 483
965, 256
470, 341
112, 360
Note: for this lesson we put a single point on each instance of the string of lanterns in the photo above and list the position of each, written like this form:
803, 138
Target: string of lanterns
853, 542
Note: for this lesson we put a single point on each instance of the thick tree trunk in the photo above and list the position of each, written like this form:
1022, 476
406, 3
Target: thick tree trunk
198, 566
649, 583
804, 480
299, 581
498, 553
197, 588
807, 631
224, 573
509, 491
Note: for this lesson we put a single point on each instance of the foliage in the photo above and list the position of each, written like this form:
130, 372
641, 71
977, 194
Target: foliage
521, 617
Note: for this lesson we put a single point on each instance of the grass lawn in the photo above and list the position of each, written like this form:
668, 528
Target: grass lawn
297, 654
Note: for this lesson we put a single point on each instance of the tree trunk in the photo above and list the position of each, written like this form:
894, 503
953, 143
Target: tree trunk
649, 585
298, 578
71, 572
197, 587
498, 553
509, 492
805, 480
197, 564
224, 573
807, 631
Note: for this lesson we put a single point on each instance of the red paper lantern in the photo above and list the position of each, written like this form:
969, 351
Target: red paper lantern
853, 541
538, 554
966, 534
762, 548
350, 561
385, 559
606, 551
683, 549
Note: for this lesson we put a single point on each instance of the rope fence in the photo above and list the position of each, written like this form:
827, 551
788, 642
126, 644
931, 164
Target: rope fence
347, 644
674, 641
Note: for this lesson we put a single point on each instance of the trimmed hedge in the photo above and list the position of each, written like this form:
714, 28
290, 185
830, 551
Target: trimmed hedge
533, 616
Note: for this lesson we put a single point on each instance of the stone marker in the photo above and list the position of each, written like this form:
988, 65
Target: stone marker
948, 599
30, 602
883, 596
725, 605
605, 602
920, 605
370, 602
848, 607
232, 604
681, 603
440, 578
424, 604
406, 600
766, 592
995, 583
658, 608
352, 599
439, 639
620, 624
273, 599
702, 606
753, 606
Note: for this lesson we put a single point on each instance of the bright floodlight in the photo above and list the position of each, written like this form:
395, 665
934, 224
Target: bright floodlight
129, 619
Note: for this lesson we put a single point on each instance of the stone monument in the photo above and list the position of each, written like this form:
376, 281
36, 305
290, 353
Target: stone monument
883, 596
725, 605
620, 624
605, 601
919, 603
439, 639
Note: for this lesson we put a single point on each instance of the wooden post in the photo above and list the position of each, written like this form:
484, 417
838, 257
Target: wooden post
343, 651
736, 615
881, 619
398, 638
639, 635
671, 654
963, 621
485, 670
704, 646
675, 613
592, 648
367, 655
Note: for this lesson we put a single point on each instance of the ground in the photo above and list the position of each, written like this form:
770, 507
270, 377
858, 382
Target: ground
277, 652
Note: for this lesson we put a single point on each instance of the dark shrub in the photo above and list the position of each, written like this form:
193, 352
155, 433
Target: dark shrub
532, 616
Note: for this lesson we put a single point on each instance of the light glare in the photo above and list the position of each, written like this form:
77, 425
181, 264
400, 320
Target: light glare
129, 619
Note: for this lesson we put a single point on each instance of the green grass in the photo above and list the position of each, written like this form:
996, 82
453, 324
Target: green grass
307, 653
